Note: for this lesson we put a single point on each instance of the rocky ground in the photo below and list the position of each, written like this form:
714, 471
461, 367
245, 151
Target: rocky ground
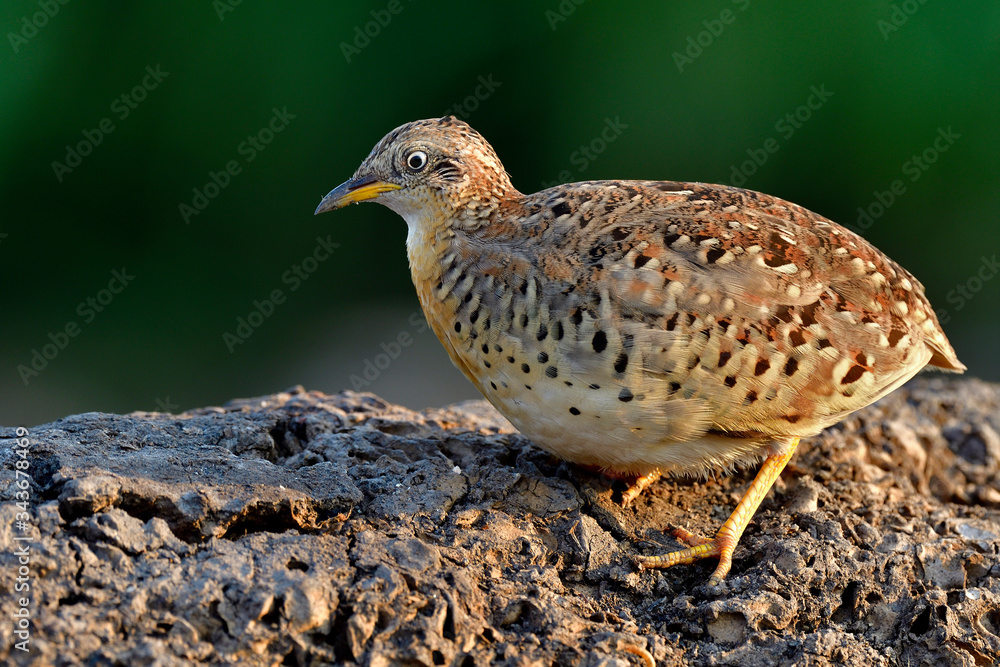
307, 529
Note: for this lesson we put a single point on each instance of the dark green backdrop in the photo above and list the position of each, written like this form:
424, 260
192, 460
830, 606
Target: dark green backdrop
824, 103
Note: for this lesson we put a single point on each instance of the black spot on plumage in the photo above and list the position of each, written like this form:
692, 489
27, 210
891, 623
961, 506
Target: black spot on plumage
641, 261
751, 397
791, 366
625, 395
574, 411
543, 331
724, 357
761, 367
474, 316
510, 360
714, 254
487, 364
620, 233
576, 317
523, 289
486, 348
675, 387
797, 338
458, 327
595, 386
621, 363
670, 239
542, 357
672, 322
895, 336
526, 368
494, 385
562, 208
551, 371
497, 348
824, 343
600, 341
730, 381
558, 331
524, 320
791, 419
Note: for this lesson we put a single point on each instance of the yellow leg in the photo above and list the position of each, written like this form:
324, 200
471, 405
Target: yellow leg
638, 486
724, 543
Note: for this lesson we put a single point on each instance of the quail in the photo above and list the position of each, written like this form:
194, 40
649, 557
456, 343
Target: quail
648, 327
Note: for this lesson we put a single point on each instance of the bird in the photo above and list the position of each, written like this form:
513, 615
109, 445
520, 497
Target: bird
648, 327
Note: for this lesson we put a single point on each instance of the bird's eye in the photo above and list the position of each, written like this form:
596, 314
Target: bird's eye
416, 160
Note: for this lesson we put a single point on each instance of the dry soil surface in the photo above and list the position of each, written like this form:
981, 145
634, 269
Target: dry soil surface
308, 529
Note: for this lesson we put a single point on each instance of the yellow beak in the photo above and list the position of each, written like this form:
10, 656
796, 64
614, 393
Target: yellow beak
354, 191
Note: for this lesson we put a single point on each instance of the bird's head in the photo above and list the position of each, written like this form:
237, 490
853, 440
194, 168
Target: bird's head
429, 169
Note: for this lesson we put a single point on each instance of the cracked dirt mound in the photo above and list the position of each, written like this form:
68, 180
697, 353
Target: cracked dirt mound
309, 529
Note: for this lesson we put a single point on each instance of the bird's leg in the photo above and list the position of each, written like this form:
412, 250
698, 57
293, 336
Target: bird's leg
724, 542
638, 485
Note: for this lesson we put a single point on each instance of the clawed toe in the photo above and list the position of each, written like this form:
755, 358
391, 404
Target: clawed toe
690, 538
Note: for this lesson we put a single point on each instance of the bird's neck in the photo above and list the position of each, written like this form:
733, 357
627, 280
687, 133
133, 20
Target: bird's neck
439, 239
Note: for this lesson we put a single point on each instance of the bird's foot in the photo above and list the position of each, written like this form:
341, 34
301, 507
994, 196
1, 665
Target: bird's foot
724, 542
721, 547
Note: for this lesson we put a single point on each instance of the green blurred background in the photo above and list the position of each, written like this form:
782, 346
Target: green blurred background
892, 75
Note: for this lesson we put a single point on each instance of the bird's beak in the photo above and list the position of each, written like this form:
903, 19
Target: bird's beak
354, 191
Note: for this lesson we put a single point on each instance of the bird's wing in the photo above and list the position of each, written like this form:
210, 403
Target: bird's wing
768, 317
